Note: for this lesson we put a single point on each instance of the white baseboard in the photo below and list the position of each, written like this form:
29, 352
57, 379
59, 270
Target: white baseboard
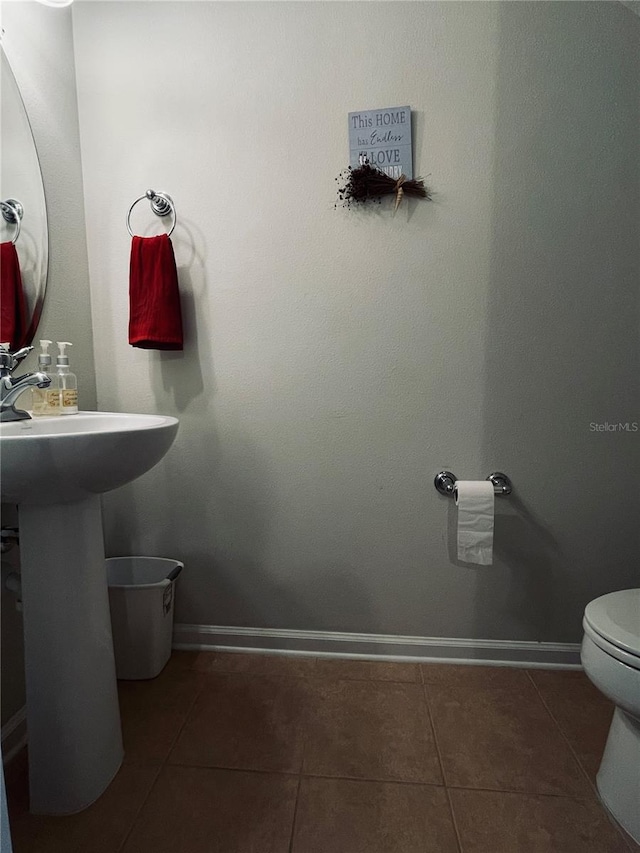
378, 646
14, 735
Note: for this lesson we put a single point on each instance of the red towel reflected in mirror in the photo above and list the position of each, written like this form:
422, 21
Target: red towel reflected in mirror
13, 305
155, 317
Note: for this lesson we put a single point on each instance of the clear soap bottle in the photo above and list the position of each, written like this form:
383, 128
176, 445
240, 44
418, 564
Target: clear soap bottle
67, 382
46, 401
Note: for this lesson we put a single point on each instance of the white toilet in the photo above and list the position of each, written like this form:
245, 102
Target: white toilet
611, 658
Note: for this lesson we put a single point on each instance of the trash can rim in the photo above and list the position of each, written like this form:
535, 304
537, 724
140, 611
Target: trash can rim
145, 557
132, 585
163, 582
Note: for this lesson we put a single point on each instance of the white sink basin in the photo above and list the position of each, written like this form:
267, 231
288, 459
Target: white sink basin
55, 469
68, 458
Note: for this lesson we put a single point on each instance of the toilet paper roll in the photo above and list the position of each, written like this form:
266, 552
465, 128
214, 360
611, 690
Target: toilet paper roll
475, 502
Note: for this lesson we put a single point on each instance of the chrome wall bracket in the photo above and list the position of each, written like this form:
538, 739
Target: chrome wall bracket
445, 482
501, 483
161, 203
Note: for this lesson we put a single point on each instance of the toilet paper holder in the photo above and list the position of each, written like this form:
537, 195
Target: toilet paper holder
445, 483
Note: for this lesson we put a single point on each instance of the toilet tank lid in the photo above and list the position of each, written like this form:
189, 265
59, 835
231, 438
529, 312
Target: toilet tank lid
616, 617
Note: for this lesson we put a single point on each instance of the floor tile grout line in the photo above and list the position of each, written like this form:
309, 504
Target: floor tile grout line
406, 782
286, 773
425, 696
160, 768
165, 763
592, 785
387, 781
331, 679
627, 839
448, 785
628, 842
139, 810
303, 775
303, 676
199, 691
223, 767
373, 781
295, 815
521, 793
377, 780
454, 820
305, 736
564, 736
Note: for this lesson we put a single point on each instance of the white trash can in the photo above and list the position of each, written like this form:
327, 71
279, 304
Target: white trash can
141, 601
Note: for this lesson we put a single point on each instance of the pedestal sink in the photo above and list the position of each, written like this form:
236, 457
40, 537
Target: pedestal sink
55, 469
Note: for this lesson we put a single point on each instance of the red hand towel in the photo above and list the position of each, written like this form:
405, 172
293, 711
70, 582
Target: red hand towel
155, 319
13, 306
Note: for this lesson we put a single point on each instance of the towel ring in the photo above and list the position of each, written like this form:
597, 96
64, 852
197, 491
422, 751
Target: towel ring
12, 212
161, 204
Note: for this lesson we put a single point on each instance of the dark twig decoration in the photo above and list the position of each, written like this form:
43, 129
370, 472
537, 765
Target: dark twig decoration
367, 183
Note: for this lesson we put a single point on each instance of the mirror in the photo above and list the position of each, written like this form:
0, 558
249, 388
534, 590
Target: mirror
21, 182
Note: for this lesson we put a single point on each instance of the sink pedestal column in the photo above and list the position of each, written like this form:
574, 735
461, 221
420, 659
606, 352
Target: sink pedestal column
73, 719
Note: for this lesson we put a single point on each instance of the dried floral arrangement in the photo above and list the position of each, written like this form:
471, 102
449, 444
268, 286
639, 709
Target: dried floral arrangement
367, 183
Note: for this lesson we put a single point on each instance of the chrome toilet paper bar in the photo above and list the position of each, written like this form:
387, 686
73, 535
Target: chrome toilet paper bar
445, 483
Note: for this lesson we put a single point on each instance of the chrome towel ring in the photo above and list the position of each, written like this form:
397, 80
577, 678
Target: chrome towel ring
161, 204
12, 212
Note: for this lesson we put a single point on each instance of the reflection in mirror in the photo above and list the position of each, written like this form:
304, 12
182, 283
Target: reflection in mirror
23, 219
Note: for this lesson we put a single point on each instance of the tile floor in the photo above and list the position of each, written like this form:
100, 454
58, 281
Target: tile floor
243, 753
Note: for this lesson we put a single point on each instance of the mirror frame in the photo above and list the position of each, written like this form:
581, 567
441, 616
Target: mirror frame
38, 301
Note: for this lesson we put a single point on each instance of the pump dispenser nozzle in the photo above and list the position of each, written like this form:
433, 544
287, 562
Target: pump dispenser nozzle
63, 358
44, 358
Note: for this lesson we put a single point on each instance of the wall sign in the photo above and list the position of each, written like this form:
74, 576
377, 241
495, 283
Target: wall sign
384, 138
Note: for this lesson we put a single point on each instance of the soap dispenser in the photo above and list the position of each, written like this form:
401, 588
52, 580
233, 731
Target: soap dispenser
68, 382
46, 401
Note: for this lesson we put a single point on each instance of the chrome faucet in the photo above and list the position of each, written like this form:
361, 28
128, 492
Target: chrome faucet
11, 388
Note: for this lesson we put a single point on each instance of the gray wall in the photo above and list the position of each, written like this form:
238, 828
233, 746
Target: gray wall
562, 345
336, 360
39, 44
